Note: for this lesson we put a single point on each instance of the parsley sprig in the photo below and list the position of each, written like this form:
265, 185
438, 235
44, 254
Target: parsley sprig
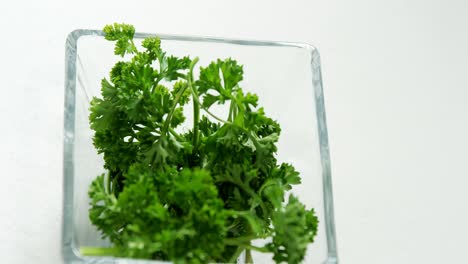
198, 196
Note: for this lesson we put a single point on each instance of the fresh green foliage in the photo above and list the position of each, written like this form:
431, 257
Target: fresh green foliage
194, 197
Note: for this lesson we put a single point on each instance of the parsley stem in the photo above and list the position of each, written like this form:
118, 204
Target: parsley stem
248, 256
169, 116
175, 134
231, 109
248, 190
196, 105
108, 182
98, 251
211, 114
236, 254
216, 117
167, 122
196, 120
259, 249
235, 111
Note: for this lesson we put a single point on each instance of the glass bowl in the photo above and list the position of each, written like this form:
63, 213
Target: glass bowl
287, 78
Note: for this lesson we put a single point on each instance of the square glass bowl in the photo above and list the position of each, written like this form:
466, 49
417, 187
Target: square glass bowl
285, 76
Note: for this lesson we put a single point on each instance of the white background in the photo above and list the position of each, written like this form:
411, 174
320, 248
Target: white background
396, 87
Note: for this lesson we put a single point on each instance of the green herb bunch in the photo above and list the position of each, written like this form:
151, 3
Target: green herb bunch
198, 196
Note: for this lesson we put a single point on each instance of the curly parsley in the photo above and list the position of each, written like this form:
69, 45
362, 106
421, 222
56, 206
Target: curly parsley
195, 197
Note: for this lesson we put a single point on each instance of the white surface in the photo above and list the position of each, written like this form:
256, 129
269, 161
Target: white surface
396, 93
